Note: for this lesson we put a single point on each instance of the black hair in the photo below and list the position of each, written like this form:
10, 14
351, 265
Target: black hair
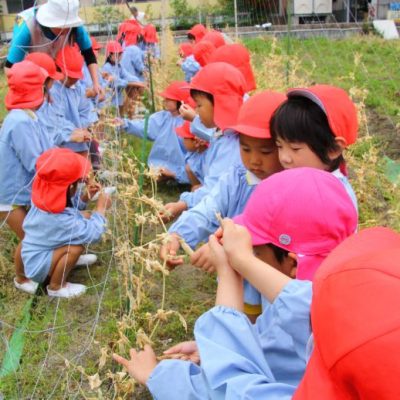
195, 92
108, 60
190, 36
178, 104
301, 120
69, 200
279, 253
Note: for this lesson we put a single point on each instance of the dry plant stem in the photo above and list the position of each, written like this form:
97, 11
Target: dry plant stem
219, 218
186, 248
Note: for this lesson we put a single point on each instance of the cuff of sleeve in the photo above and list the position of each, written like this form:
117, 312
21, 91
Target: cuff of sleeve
185, 197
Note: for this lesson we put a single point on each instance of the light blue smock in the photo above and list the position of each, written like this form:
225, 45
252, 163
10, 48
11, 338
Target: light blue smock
74, 110
22, 140
223, 153
168, 150
200, 131
349, 189
121, 79
228, 197
88, 83
45, 232
190, 67
153, 49
132, 61
196, 163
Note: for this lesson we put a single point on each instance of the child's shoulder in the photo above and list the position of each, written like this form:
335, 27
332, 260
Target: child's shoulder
18, 116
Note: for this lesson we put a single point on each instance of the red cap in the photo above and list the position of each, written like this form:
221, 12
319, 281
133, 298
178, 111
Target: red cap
69, 59
338, 107
57, 169
215, 37
113, 47
150, 34
255, 114
25, 85
198, 31
95, 44
44, 61
177, 91
227, 85
202, 52
306, 211
186, 49
356, 321
238, 56
183, 131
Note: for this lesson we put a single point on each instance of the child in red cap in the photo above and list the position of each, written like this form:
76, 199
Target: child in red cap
150, 38
218, 91
22, 140
203, 51
234, 353
196, 152
116, 74
167, 154
314, 127
73, 111
196, 33
55, 231
188, 63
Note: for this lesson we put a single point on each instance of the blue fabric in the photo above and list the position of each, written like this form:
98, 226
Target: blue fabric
221, 155
45, 232
190, 67
196, 163
50, 117
21, 40
349, 189
199, 130
168, 150
173, 379
153, 49
88, 83
228, 197
121, 79
240, 363
132, 61
22, 140
73, 110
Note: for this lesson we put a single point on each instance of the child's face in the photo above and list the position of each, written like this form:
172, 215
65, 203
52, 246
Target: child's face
190, 144
205, 109
259, 156
171, 106
70, 82
287, 266
115, 57
298, 154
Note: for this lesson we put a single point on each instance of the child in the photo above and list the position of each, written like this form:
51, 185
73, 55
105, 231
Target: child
215, 37
228, 197
151, 41
116, 75
168, 152
196, 33
55, 231
218, 91
73, 110
133, 59
282, 230
22, 140
312, 129
196, 152
238, 56
188, 64
203, 51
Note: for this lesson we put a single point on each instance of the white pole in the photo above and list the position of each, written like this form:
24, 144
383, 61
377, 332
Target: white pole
163, 30
236, 20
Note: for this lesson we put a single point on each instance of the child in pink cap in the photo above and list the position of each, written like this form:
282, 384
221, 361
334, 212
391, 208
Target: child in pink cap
301, 211
314, 127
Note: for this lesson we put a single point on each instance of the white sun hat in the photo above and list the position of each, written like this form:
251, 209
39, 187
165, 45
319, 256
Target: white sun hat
59, 14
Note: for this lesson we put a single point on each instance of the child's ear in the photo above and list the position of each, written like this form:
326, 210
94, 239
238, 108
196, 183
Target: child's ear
292, 259
341, 144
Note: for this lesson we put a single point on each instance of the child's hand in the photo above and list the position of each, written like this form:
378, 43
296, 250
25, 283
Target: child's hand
201, 258
218, 257
103, 203
90, 93
80, 135
179, 62
166, 173
170, 249
92, 188
173, 210
186, 351
236, 242
105, 75
187, 112
141, 364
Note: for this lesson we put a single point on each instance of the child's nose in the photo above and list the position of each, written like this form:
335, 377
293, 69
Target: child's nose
284, 157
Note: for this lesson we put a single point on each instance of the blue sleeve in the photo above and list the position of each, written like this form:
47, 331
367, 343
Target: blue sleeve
83, 38
173, 377
136, 127
127, 76
200, 221
26, 145
77, 201
87, 113
199, 130
85, 230
20, 42
232, 358
190, 67
118, 81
